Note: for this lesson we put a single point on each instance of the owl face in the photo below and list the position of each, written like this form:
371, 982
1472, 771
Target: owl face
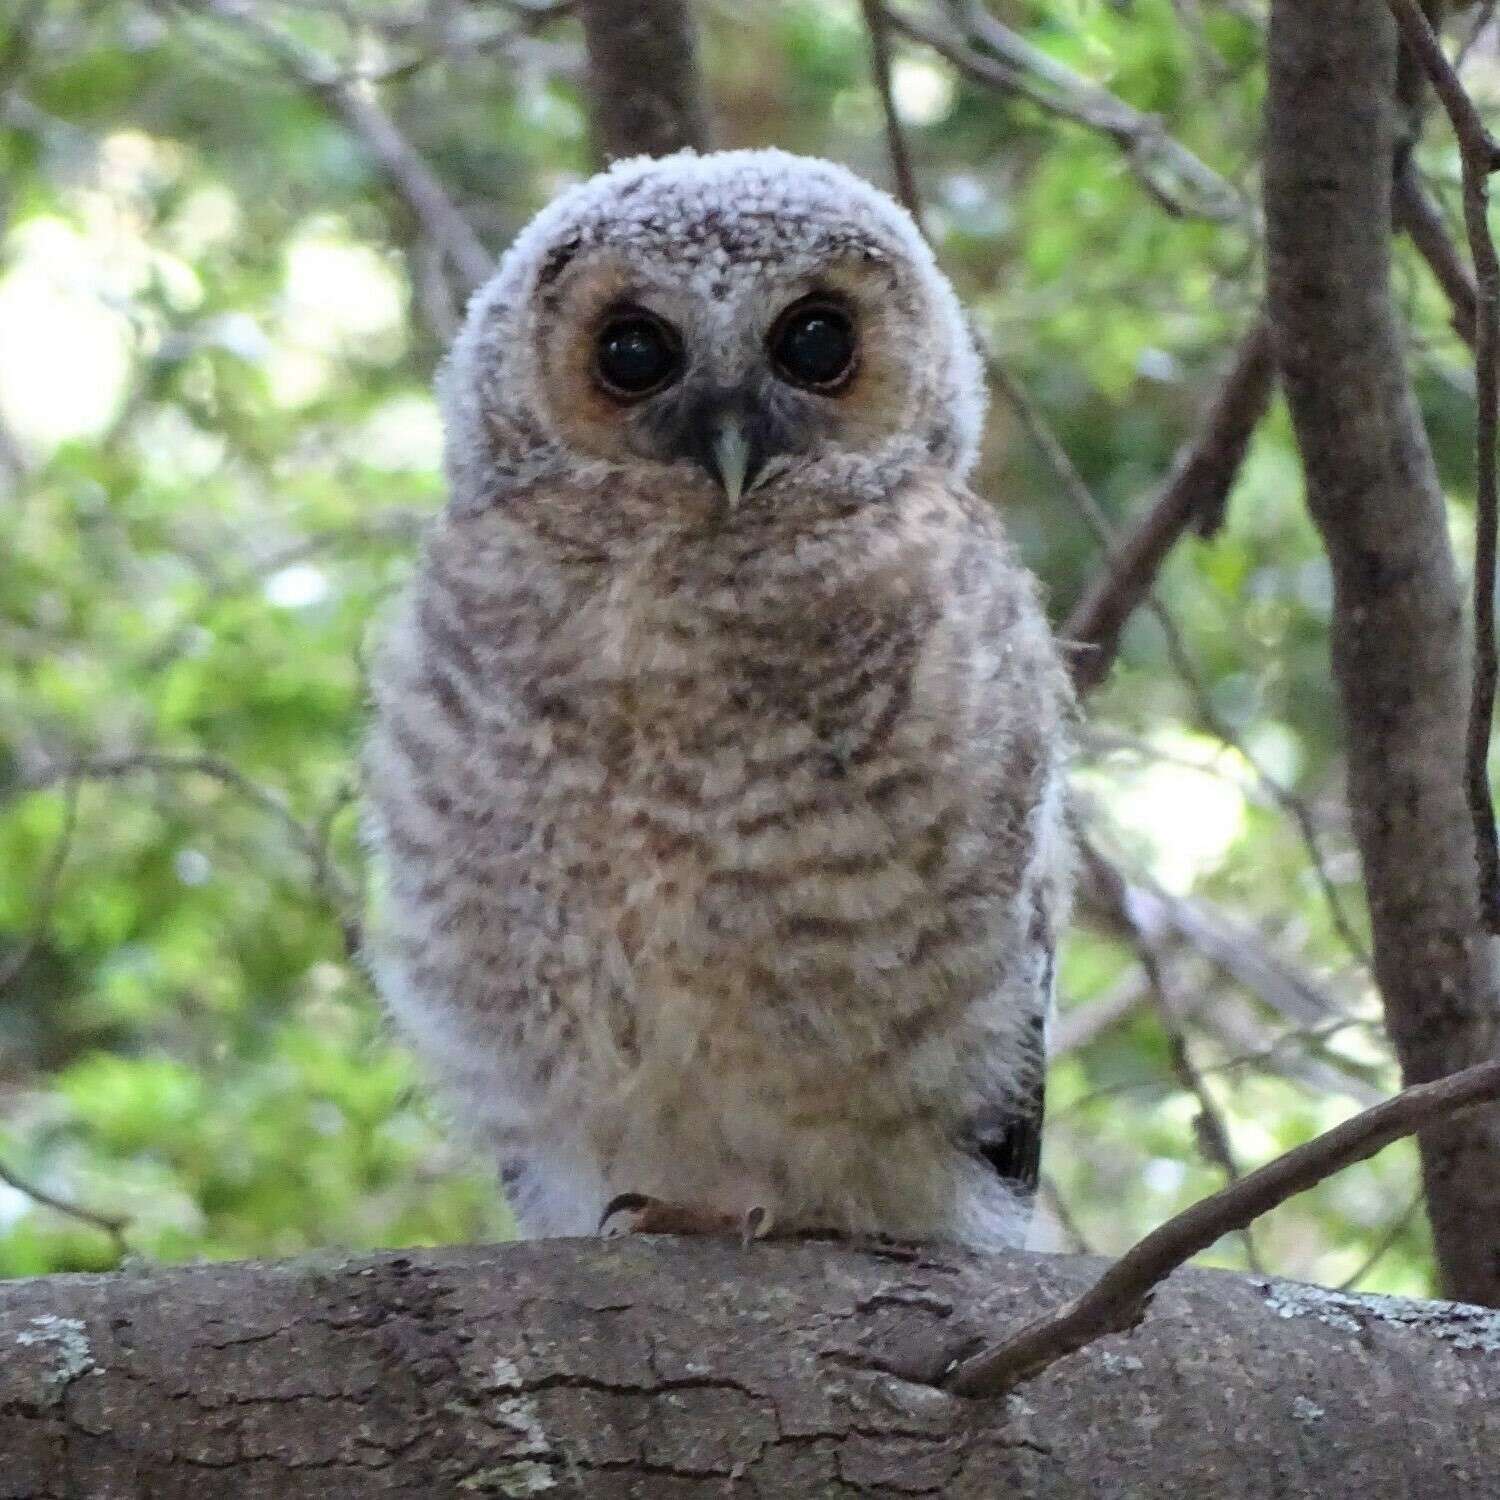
728, 334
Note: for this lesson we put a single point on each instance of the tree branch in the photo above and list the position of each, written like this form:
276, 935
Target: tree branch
878, 27
1099, 524
1194, 497
1397, 637
1479, 155
1419, 216
109, 1224
1119, 1298
1171, 174
644, 88
405, 168
698, 1370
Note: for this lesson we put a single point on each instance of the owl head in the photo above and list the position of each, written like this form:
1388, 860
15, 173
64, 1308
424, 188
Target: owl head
701, 338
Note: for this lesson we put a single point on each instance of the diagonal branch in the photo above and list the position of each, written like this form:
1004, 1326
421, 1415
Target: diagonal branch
878, 25
991, 54
1118, 1300
405, 168
1194, 496
1420, 217
1098, 522
110, 1224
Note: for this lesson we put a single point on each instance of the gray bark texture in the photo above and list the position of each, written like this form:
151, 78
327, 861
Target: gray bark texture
645, 95
1399, 648
681, 1370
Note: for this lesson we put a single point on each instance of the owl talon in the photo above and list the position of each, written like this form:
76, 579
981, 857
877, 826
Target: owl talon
636, 1213
756, 1225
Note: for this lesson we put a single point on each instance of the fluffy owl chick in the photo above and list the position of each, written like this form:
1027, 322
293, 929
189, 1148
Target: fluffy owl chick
717, 761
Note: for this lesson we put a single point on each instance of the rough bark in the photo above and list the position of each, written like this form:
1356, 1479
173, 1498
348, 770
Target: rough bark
674, 1370
645, 96
1399, 650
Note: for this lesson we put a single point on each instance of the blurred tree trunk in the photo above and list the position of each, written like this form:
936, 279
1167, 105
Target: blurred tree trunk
645, 94
672, 1370
1399, 644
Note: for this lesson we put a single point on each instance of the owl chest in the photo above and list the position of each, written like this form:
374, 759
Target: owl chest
713, 834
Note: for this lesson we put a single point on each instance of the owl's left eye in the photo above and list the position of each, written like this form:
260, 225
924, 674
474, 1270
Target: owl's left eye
813, 345
637, 355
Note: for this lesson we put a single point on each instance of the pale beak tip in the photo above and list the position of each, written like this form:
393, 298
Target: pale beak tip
731, 452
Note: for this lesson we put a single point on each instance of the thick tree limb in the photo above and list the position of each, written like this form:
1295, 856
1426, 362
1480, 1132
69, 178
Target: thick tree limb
644, 89
1120, 1297
668, 1370
1397, 632
1193, 497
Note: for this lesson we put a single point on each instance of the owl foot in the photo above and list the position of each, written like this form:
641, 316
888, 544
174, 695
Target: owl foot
635, 1213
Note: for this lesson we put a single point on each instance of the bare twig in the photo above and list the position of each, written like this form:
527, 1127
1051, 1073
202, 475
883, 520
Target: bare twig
1209, 1130
405, 167
1057, 1209
1118, 1300
47, 887
1166, 169
114, 1227
1482, 19
1420, 217
878, 25
1383, 1247
1099, 524
310, 841
1479, 155
1194, 496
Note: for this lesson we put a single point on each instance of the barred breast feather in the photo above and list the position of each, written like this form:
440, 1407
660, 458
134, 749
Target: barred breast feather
729, 866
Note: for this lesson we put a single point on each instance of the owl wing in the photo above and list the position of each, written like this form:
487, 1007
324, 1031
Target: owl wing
1009, 1135
1024, 720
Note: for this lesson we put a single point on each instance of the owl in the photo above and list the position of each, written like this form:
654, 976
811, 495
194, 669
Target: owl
716, 767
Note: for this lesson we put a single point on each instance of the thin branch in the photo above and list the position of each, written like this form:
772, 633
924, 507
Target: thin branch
1119, 1299
405, 167
114, 1227
1194, 496
1057, 1209
1482, 19
1420, 217
878, 25
1209, 1129
1479, 155
1098, 522
1387, 1242
47, 888
310, 841
1163, 166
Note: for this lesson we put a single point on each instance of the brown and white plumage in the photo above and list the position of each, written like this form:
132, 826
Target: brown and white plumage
722, 832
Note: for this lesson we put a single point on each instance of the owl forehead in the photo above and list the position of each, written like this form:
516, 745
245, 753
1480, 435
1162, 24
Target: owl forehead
709, 224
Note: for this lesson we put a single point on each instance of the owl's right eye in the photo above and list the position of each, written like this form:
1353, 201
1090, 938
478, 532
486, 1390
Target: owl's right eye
637, 355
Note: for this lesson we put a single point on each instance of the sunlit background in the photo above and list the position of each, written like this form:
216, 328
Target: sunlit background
218, 327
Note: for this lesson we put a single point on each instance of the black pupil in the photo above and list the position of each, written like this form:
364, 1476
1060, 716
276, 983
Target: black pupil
816, 346
635, 355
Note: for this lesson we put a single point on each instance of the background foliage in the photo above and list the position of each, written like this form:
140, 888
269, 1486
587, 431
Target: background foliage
218, 326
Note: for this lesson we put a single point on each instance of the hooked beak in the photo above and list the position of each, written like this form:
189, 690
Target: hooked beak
728, 438
729, 456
